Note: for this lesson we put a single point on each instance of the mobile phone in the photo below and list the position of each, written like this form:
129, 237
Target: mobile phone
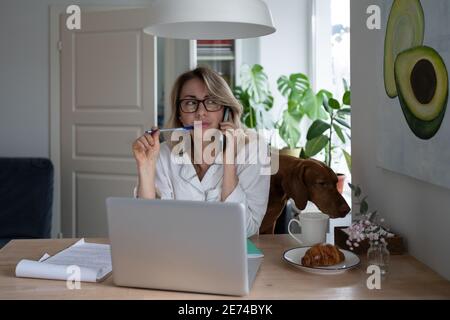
226, 114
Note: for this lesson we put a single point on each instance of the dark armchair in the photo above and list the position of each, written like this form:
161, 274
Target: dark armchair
26, 197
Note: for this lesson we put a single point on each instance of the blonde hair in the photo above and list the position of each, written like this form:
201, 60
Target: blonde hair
217, 87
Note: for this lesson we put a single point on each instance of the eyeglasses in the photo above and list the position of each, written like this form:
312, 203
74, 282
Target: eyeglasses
191, 105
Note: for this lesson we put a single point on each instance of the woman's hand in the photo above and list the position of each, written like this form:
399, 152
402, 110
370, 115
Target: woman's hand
230, 179
146, 149
228, 130
146, 152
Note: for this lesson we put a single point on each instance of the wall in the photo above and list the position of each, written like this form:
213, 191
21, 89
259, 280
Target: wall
418, 211
24, 73
287, 50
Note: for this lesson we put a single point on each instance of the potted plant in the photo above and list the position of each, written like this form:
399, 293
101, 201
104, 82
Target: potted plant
257, 100
322, 133
301, 101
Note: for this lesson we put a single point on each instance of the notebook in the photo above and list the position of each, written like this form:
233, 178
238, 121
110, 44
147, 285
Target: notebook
92, 260
253, 251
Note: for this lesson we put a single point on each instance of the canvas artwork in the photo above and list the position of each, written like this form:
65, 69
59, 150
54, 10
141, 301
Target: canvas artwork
413, 120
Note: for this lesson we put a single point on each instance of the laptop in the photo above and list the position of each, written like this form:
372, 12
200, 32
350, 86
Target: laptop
179, 245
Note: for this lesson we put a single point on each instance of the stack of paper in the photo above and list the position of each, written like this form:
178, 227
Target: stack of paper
92, 260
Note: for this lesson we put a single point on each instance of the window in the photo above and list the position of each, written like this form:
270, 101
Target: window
331, 57
340, 44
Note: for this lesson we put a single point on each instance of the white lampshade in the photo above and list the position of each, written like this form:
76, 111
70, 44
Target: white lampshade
209, 19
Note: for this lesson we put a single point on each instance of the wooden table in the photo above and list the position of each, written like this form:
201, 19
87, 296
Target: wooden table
407, 279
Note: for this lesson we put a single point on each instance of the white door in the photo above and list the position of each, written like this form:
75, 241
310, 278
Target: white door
108, 74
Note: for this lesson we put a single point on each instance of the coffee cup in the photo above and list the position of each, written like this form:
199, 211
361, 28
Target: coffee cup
313, 225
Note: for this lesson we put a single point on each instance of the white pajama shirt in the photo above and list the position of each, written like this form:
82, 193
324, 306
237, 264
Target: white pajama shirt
180, 181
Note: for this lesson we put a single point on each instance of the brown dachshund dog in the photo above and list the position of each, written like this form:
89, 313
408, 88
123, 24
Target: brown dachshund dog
302, 180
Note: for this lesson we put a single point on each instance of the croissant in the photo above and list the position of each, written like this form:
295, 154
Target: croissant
321, 255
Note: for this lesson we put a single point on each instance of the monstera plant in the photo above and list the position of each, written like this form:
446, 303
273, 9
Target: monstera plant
328, 116
301, 101
255, 97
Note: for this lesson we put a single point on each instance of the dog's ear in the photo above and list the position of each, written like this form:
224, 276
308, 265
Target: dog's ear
294, 185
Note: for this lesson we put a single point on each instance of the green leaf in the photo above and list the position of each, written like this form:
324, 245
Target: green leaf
255, 97
333, 103
348, 135
237, 91
348, 159
339, 132
325, 94
345, 111
302, 154
322, 112
364, 207
326, 106
255, 81
296, 83
289, 130
249, 119
268, 121
316, 129
300, 80
312, 105
268, 103
283, 85
346, 98
263, 118
342, 122
295, 96
315, 145
292, 105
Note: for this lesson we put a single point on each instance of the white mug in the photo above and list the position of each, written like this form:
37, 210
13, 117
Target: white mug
314, 227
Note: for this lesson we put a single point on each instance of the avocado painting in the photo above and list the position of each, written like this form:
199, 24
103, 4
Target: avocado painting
415, 73
422, 82
412, 61
405, 29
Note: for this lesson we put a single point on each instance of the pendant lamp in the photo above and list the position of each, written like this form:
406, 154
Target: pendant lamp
209, 19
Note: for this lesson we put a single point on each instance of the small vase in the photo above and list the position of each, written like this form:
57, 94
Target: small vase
378, 255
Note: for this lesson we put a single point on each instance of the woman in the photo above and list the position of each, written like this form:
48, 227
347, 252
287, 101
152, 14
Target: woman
199, 98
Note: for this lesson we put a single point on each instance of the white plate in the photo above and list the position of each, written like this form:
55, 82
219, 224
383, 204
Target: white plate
294, 257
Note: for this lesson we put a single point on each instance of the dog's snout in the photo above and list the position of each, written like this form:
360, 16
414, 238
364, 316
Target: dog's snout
344, 209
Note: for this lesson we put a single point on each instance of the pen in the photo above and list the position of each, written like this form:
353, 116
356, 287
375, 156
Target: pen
172, 129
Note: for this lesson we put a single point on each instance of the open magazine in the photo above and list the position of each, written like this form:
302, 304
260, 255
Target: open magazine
92, 260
